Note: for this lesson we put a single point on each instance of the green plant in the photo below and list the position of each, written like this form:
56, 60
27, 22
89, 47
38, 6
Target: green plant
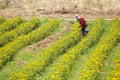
47, 56
8, 51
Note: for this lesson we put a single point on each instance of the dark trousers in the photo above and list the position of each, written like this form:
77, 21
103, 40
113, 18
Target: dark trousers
83, 30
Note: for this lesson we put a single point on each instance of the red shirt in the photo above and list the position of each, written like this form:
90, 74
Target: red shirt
82, 21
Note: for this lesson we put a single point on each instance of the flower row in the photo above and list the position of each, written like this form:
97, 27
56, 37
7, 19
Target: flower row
115, 73
46, 57
92, 68
2, 20
10, 24
21, 29
64, 65
8, 51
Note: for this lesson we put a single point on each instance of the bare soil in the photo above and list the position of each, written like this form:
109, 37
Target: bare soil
46, 42
49, 40
65, 9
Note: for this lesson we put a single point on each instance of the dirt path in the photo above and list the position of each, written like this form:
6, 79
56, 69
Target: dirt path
45, 42
61, 9
50, 39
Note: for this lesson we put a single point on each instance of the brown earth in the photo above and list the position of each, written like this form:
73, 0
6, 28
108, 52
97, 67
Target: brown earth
65, 9
49, 40
45, 42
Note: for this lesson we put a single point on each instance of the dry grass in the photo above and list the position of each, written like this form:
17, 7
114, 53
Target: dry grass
47, 7
77, 5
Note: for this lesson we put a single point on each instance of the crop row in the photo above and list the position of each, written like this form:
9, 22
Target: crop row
21, 29
115, 73
65, 63
46, 57
10, 24
92, 68
2, 20
8, 51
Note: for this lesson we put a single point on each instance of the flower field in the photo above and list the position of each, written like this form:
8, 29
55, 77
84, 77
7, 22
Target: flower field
71, 57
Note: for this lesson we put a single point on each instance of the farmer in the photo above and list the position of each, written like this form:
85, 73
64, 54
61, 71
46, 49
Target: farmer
82, 23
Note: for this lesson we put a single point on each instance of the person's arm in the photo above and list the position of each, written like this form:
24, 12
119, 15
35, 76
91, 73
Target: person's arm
79, 23
83, 22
